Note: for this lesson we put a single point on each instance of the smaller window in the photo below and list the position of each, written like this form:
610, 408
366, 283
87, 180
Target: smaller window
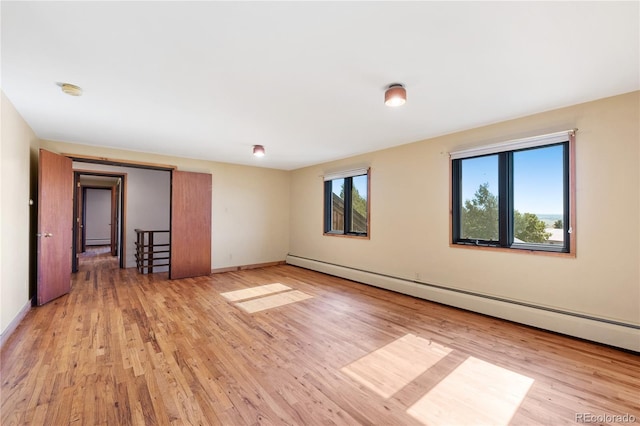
346, 203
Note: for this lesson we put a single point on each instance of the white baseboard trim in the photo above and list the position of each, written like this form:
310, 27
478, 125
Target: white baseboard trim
621, 335
15, 323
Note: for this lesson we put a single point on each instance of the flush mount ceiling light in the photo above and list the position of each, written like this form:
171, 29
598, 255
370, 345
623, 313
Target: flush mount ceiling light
395, 95
71, 89
258, 150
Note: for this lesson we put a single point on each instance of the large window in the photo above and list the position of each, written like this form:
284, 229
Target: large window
515, 195
346, 203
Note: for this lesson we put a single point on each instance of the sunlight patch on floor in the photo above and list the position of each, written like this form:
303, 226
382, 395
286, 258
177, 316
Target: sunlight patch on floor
392, 367
249, 293
476, 392
273, 301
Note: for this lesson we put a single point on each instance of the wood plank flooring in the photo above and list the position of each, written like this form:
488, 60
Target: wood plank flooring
124, 348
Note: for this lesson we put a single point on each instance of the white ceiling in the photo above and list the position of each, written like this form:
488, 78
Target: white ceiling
306, 79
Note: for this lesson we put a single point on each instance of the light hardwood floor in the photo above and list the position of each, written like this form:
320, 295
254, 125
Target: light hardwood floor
123, 348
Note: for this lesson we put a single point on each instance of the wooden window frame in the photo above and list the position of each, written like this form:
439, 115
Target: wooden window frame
327, 190
570, 249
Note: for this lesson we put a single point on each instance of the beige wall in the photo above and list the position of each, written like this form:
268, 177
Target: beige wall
250, 212
17, 140
259, 214
410, 216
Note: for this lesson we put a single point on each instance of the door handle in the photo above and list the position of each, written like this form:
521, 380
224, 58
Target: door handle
46, 235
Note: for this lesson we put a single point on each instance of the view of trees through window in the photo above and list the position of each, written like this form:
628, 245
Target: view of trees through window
358, 205
533, 179
337, 205
480, 220
349, 214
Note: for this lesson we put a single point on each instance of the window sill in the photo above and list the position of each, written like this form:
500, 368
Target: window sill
359, 237
514, 250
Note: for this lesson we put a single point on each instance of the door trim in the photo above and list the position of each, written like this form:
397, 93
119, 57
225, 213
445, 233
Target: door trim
83, 216
123, 213
114, 219
117, 162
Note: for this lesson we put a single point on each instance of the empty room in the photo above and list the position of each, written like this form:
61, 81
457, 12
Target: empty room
301, 213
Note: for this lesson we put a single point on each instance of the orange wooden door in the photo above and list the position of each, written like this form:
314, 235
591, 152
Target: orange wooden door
55, 226
190, 224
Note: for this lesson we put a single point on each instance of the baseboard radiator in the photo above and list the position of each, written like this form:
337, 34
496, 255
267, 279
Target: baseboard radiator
98, 241
618, 334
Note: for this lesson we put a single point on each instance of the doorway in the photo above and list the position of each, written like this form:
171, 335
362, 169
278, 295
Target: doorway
99, 212
59, 205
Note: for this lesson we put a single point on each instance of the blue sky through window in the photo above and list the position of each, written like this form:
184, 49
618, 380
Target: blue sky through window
360, 182
337, 185
538, 179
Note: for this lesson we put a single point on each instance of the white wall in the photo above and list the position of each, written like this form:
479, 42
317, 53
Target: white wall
410, 218
17, 139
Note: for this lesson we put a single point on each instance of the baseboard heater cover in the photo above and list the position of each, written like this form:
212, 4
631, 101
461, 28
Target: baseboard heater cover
98, 241
626, 336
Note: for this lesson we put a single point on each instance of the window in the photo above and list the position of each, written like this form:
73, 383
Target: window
515, 195
346, 203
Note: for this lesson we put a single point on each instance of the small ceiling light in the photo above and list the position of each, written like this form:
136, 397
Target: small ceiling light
258, 150
70, 89
396, 95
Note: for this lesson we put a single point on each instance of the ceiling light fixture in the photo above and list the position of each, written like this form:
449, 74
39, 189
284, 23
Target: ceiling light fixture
258, 150
70, 89
395, 95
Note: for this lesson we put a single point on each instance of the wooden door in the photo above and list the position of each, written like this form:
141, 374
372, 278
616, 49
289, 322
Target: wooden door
114, 219
55, 226
190, 224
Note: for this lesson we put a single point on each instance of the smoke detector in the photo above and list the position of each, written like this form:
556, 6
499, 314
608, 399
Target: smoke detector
71, 89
